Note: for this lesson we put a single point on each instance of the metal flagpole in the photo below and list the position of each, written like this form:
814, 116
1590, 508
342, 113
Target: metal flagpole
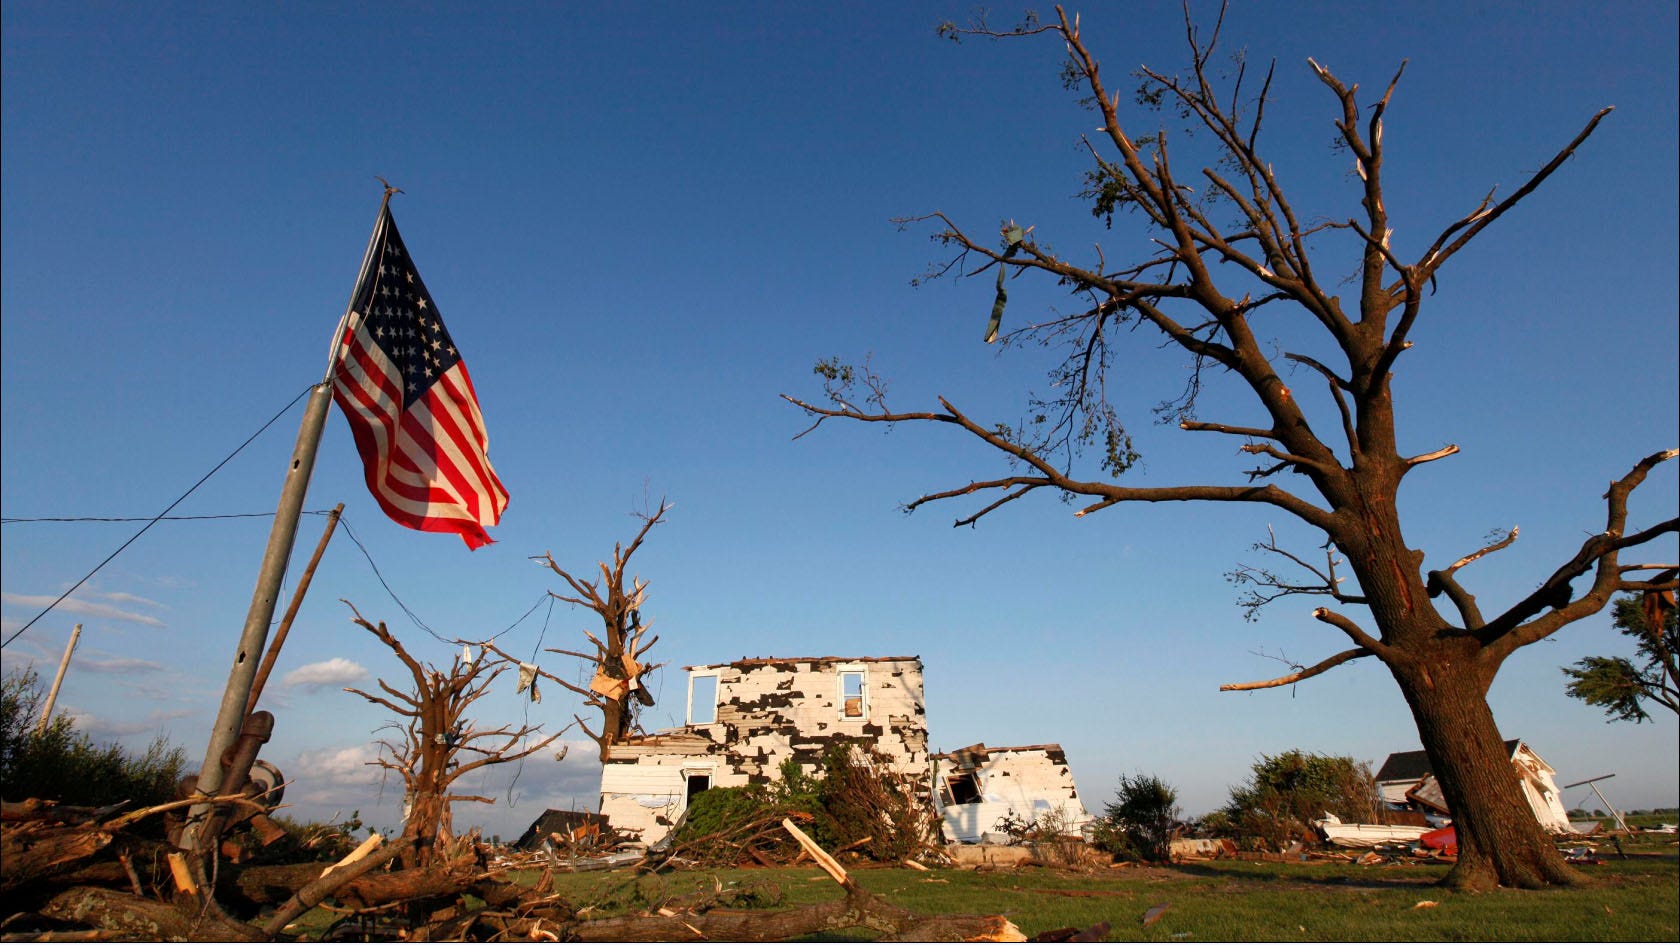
230, 718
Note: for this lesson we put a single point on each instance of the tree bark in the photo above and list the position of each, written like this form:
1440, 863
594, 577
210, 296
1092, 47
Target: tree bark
144, 920
276, 884
38, 850
1500, 842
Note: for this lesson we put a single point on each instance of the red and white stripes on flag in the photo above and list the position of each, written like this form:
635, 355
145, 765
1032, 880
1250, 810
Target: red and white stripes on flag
410, 402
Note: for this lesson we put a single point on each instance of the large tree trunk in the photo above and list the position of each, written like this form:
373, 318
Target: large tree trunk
1500, 841
429, 824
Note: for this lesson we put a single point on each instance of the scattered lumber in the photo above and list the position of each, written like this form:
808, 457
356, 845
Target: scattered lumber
69, 874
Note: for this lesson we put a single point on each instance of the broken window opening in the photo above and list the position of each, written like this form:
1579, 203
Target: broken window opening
854, 694
964, 788
698, 783
702, 698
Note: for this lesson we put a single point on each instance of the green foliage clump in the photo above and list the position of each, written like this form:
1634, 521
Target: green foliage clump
1619, 686
60, 763
853, 802
867, 807
1139, 822
1287, 792
722, 824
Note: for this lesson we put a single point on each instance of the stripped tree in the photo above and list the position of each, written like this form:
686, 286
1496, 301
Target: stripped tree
436, 742
616, 688
1225, 252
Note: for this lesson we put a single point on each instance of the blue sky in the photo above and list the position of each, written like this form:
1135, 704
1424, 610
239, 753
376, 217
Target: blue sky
644, 222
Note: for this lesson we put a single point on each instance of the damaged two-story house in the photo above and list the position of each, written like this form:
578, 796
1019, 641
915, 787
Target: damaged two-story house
746, 718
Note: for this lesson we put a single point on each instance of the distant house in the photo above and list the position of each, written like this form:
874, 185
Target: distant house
562, 830
1405, 783
747, 718
981, 788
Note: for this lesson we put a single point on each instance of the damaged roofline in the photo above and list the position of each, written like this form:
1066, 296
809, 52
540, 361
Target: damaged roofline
746, 662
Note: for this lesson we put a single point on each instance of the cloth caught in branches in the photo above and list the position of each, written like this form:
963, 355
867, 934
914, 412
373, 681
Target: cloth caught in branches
1013, 235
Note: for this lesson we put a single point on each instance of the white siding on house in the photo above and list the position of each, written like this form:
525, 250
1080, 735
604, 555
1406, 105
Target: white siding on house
1541, 790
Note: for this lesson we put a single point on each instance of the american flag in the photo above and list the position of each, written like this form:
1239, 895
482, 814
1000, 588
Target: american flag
411, 406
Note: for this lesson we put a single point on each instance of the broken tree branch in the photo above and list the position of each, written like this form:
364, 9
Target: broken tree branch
1305, 673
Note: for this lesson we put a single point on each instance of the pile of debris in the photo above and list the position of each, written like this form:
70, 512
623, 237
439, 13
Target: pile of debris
77, 874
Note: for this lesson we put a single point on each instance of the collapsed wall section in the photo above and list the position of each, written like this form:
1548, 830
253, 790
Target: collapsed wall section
984, 790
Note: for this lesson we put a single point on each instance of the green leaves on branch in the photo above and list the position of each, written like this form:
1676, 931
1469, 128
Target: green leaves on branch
1287, 792
1618, 685
1139, 821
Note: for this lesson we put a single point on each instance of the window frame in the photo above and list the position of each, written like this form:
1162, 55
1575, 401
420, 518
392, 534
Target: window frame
862, 672
717, 690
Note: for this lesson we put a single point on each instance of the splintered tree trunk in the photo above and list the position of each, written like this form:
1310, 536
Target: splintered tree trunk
429, 824
1500, 841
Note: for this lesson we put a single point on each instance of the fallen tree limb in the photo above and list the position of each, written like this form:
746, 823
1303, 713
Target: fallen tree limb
330, 882
143, 920
84, 935
37, 850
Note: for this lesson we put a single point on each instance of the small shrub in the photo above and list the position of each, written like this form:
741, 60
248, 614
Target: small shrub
1051, 835
1138, 823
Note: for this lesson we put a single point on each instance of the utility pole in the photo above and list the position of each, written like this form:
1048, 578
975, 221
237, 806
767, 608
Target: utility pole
63, 664
230, 718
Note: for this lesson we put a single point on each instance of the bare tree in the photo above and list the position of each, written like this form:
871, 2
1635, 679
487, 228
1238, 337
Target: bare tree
1227, 251
436, 742
619, 659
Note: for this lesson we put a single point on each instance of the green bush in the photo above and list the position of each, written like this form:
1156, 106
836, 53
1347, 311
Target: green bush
60, 763
1138, 823
1287, 792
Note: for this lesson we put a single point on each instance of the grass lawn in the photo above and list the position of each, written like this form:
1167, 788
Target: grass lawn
1632, 900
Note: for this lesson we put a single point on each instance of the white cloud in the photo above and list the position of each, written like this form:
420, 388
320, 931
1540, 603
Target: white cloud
122, 665
125, 598
337, 671
350, 766
82, 607
105, 730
